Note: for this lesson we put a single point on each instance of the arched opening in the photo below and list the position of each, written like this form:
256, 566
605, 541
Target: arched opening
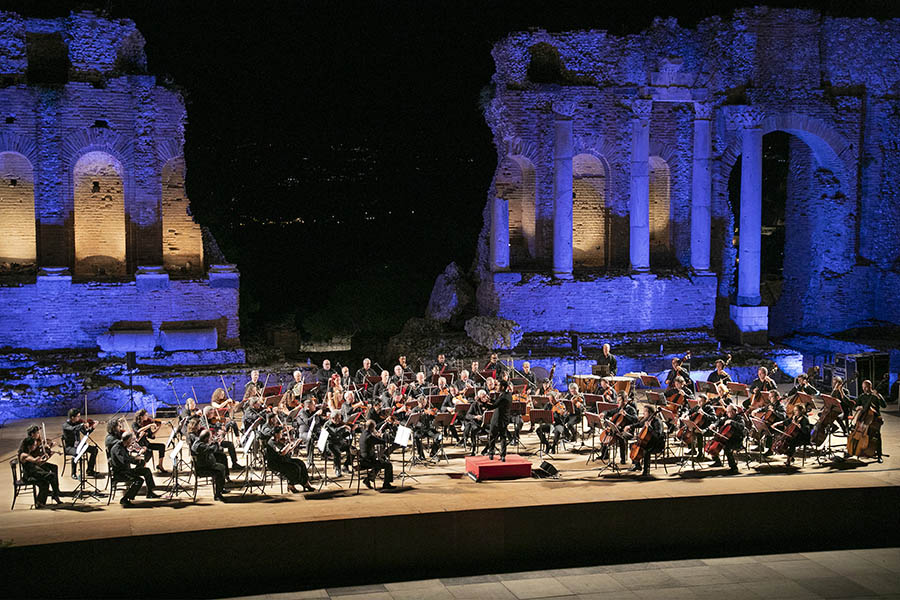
182, 238
516, 184
804, 236
590, 214
660, 211
18, 247
99, 215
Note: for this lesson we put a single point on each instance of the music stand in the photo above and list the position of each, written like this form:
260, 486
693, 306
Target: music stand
690, 454
705, 387
830, 403
402, 439
517, 409
593, 420
650, 381
81, 489
247, 473
656, 398
540, 416
174, 483
321, 445
443, 421
171, 439
738, 389
611, 458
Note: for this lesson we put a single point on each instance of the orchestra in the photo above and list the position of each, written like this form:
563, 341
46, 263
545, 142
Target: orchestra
359, 418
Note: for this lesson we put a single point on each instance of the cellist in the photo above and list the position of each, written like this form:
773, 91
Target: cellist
654, 445
628, 410
732, 443
708, 416
798, 437
869, 398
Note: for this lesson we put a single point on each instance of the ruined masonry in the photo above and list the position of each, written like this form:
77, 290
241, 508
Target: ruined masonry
610, 208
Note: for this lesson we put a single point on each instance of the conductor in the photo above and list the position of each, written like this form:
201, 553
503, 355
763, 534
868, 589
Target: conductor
500, 419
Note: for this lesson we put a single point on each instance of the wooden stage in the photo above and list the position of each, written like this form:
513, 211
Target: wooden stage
465, 526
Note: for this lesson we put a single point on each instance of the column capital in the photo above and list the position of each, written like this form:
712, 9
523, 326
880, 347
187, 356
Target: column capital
744, 117
703, 110
563, 109
641, 108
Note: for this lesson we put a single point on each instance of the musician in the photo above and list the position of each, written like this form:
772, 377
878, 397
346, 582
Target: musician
253, 388
801, 437
351, 407
220, 401
772, 412
425, 428
369, 460
883, 387
305, 422
278, 460
252, 413
606, 392
719, 374
397, 377
419, 387
475, 372
114, 429
708, 416
679, 394
657, 440
606, 359
43, 448
500, 419
677, 371
628, 409
380, 388
72, 430
472, 423
365, 372
36, 470
441, 364
529, 377
144, 428
870, 398
188, 411
324, 375
204, 452
762, 383
558, 428
338, 442
294, 391
464, 380
546, 387
837, 392
130, 467
403, 366
495, 367
577, 414
802, 386
218, 432
735, 442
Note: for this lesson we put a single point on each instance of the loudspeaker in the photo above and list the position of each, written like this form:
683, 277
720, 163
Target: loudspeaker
545, 470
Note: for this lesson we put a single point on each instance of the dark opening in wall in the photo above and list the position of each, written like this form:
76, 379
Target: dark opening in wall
13, 182
48, 58
101, 123
95, 187
10, 120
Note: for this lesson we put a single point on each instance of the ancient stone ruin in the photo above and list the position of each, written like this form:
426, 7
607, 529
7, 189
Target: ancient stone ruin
628, 191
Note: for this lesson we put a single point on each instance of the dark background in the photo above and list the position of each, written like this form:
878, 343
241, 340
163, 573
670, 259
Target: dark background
337, 150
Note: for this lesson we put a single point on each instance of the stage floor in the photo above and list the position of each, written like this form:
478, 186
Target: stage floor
438, 489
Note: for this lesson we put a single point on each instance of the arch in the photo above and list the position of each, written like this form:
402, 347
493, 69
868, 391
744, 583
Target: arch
99, 215
182, 238
590, 213
660, 208
516, 184
18, 237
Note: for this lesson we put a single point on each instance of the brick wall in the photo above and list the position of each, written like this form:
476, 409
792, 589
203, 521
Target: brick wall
99, 216
182, 241
589, 213
17, 244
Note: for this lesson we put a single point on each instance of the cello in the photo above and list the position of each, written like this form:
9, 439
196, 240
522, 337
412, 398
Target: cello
717, 444
864, 425
827, 416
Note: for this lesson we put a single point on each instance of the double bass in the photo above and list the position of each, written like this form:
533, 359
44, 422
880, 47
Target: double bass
865, 424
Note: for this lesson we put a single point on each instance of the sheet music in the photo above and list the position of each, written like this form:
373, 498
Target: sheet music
176, 452
404, 434
323, 440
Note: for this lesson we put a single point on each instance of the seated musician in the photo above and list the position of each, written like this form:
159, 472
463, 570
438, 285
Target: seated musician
425, 429
802, 386
379, 389
144, 428
338, 442
558, 428
220, 401
871, 399
293, 392
606, 392
442, 388
386, 398
419, 387
114, 429
719, 374
495, 367
606, 359
279, 461
252, 413
207, 465
677, 371
577, 415
72, 430
464, 380
334, 401
441, 365
253, 388
398, 376
473, 422
546, 387
266, 429
679, 394
530, 378
772, 411
405, 368
128, 466
369, 460
449, 404
708, 416
43, 448
735, 442
324, 376
475, 373
628, 409
841, 395
351, 407
37, 471
188, 411
762, 383
801, 437
346, 379
365, 372
218, 431
305, 422
657, 441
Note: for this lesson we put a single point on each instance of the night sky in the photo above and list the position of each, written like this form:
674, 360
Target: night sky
337, 150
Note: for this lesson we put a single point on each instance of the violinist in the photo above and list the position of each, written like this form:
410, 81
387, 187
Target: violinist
72, 430
577, 414
114, 429
253, 388
606, 359
386, 398
221, 403
706, 415
449, 406
464, 381
36, 471
369, 460
294, 392
351, 407
425, 428
419, 387
338, 442
546, 387
346, 379
207, 465
398, 376
838, 393
43, 449
405, 368
145, 428
871, 399
253, 413
794, 436
324, 376
278, 460
653, 425
473, 425
719, 374
628, 415
735, 442
560, 418
606, 392
130, 467
365, 372
442, 388
381, 388
475, 373
266, 429
305, 422
529, 377
188, 411
218, 436
678, 370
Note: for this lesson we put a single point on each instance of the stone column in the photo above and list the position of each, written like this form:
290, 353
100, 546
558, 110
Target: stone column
500, 235
562, 188
748, 121
639, 205
701, 187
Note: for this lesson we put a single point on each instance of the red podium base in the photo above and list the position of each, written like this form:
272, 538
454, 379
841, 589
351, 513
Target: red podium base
481, 468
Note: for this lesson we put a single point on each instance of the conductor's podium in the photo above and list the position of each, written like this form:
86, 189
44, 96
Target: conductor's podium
481, 468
